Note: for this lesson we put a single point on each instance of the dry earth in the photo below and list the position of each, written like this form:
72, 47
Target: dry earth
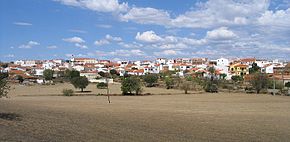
194, 117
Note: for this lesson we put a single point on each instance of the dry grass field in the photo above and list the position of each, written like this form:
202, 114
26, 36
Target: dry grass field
193, 117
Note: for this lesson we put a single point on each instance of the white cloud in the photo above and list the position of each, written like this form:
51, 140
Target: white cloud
98, 5
9, 56
131, 45
147, 16
279, 18
170, 52
101, 42
148, 36
52, 47
121, 53
221, 33
22, 24
80, 45
106, 26
111, 38
74, 40
30, 44
77, 31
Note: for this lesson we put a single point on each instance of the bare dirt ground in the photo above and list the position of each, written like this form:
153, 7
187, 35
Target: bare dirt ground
194, 117
55, 90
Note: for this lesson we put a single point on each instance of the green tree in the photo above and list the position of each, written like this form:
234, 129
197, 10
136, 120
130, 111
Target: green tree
131, 85
223, 76
237, 78
4, 87
287, 84
114, 72
80, 82
70, 74
255, 68
48, 74
259, 81
150, 79
19, 78
169, 82
3, 75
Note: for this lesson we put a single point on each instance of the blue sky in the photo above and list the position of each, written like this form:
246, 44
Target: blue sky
144, 29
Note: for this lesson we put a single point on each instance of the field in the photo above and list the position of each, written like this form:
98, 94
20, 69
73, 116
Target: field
194, 117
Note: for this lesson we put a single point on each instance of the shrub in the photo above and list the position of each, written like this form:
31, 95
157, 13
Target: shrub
237, 78
131, 85
102, 85
67, 92
211, 87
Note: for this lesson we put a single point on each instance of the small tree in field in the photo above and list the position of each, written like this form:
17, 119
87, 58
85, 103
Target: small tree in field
19, 78
4, 87
169, 82
287, 85
70, 74
130, 85
150, 79
259, 81
186, 86
48, 74
80, 82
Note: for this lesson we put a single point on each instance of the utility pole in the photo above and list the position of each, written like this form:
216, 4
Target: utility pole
274, 86
107, 80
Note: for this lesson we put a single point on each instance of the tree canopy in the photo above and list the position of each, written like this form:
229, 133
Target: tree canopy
150, 79
259, 81
80, 82
131, 85
48, 74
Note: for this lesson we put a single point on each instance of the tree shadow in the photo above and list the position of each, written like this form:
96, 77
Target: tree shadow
83, 91
10, 116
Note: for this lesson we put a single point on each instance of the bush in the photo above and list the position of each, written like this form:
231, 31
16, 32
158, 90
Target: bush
131, 86
102, 85
210, 87
67, 92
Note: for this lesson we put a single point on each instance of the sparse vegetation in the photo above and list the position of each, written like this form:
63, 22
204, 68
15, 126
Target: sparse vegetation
102, 85
67, 92
186, 86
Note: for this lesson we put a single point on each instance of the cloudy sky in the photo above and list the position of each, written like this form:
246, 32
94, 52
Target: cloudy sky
144, 29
